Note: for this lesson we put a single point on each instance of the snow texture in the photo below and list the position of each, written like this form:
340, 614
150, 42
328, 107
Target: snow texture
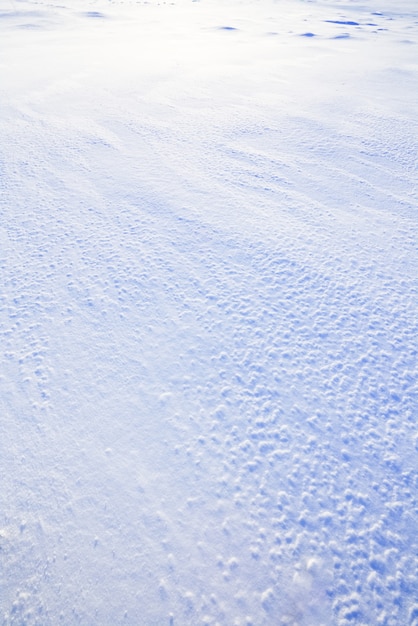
208, 313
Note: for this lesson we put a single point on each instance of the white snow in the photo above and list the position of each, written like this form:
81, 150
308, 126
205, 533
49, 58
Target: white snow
208, 322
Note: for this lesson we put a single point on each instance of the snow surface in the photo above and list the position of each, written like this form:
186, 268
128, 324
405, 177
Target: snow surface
208, 321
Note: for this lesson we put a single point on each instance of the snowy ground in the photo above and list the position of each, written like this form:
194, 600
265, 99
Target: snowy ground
208, 313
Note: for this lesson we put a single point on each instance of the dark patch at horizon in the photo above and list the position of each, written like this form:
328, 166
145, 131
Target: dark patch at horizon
344, 23
308, 35
22, 14
227, 28
94, 14
29, 26
342, 36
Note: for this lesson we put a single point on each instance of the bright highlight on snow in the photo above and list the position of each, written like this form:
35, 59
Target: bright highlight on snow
208, 313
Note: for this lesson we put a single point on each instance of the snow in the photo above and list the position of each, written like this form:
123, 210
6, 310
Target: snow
208, 316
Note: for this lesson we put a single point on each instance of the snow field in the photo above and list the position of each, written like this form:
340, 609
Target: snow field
209, 314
